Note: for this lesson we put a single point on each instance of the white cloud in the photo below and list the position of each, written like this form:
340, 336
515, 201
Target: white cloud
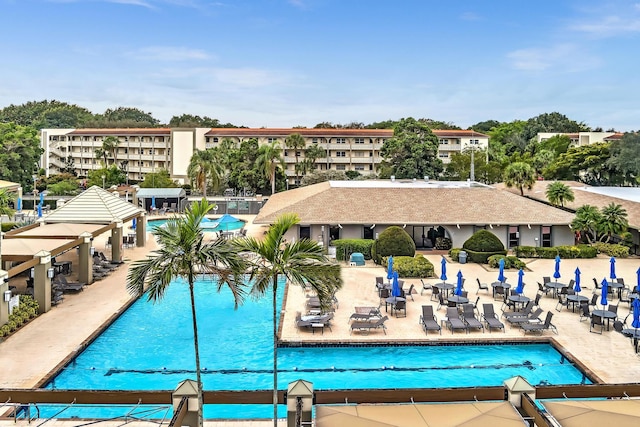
169, 53
298, 3
562, 57
610, 26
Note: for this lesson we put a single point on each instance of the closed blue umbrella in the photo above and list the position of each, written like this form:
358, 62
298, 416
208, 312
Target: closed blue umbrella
612, 270
638, 279
501, 277
636, 313
19, 204
153, 202
577, 287
133, 223
395, 289
556, 273
41, 198
520, 287
390, 268
443, 276
605, 291
459, 285
39, 211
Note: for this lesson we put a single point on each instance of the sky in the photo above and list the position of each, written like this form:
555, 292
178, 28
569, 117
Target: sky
285, 63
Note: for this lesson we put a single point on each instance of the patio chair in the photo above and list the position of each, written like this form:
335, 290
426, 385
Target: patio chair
398, 307
173, 208
540, 327
384, 293
366, 327
409, 293
491, 318
498, 293
585, 313
435, 291
105, 259
624, 296
613, 308
536, 300
66, 286
595, 282
562, 302
594, 300
475, 305
596, 321
546, 279
542, 288
98, 262
533, 317
453, 320
525, 312
482, 286
425, 287
302, 323
428, 320
441, 302
379, 283
469, 317
620, 280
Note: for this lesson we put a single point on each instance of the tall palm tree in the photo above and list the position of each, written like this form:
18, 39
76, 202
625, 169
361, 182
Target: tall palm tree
558, 193
295, 142
202, 168
613, 220
586, 221
302, 263
269, 160
110, 146
183, 254
520, 175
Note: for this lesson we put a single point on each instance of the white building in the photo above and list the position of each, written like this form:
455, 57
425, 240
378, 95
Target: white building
581, 138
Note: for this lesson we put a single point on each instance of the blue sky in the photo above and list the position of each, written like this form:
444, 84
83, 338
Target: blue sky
282, 63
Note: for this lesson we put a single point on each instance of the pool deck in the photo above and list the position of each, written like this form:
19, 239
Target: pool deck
40, 346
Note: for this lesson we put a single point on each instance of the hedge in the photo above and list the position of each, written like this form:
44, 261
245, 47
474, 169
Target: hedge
481, 257
352, 245
417, 266
567, 252
615, 250
509, 262
454, 253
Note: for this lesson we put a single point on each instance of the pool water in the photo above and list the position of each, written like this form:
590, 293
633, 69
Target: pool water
207, 226
151, 347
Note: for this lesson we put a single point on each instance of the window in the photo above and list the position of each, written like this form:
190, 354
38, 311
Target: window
341, 154
271, 140
341, 140
314, 140
151, 152
358, 154
474, 141
514, 236
340, 167
443, 155
305, 232
367, 232
286, 153
141, 139
215, 139
444, 142
546, 236
359, 167
359, 141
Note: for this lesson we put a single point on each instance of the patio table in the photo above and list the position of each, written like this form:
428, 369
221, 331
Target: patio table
504, 285
576, 300
555, 286
605, 315
444, 288
518, 300
458, 299
392, 301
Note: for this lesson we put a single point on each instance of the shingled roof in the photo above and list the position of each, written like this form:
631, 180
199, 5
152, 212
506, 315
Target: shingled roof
385, 202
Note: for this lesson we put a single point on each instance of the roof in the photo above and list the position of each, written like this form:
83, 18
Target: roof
8, 185
587, 195
284, 132
56, 231
362, 202
94, 206
145, 193
578, 413
121, 131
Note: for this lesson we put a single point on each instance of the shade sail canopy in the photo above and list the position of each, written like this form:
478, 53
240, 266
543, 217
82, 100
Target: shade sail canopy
162, 193
580, 413
94, 206
26, 249
57, 231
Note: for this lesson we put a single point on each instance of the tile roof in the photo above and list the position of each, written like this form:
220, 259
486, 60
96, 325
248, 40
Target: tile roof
284, 132
325, 203
123, 131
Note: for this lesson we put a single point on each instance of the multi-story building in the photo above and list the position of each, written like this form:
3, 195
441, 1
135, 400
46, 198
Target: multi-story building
582, 138
145, 150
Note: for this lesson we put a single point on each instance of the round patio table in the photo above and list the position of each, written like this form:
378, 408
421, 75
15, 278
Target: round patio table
392, 301
555, 286
504, 285
444, 287
518, 300
615, 286
606, 315
576, 300
458, 299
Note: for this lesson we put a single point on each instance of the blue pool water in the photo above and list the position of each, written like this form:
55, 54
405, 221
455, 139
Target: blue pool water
151, 347
207, 226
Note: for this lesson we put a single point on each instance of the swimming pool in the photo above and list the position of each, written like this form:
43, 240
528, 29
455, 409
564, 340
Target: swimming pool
150, 347
210, 225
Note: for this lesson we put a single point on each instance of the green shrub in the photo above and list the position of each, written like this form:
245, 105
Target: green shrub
352, 245
481, 257
417, 266
525, 251
393, 241
509, 262
587, 251
443, 243
16, 318
615, 250
454, 253
12, 326
6, 226
548, 253
483, 241
5, 329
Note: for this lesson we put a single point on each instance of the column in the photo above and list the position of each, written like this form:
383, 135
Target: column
85, 259
141, 231
5, 295
116, 243
42, 281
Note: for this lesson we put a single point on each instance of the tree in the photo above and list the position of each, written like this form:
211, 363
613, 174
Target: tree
485, 126
19, 153
269, 161
182, 254
587, 163
301, 263
558, 193
6, 198
159, 179
613, 221
323, 176
586, 222
63, 188
412, 152
202, 168
625, 157
123, 117
520, 175
295, 142
191, 121
112, 176
46, 114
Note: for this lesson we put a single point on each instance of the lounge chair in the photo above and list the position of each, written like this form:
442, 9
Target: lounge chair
365, 316
453, 320
367, 326
428, 320
66, 286
469, 317
525, 312
540, 327
491, 318
98, 262
533, 317
104, 259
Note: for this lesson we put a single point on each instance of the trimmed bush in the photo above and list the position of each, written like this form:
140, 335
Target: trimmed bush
6, 226
483, 241
454, 253
509, 262
481, 257
417, 266
547, 253
615, 250
525, 251
352, 245
587, 251
567, 252
393, 241
443, 243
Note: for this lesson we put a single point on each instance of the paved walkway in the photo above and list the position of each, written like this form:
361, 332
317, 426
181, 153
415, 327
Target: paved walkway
40, 346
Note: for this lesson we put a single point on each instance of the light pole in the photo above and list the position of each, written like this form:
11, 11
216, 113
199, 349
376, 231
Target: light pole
103, 178
34, 191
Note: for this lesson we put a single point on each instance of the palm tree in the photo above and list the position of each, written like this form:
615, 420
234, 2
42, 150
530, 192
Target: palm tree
558, 193
296, 143
110, 146
302, 263
183, 254
202, 168
586, 221
269, 160
613, 220
6, 197
520, 174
